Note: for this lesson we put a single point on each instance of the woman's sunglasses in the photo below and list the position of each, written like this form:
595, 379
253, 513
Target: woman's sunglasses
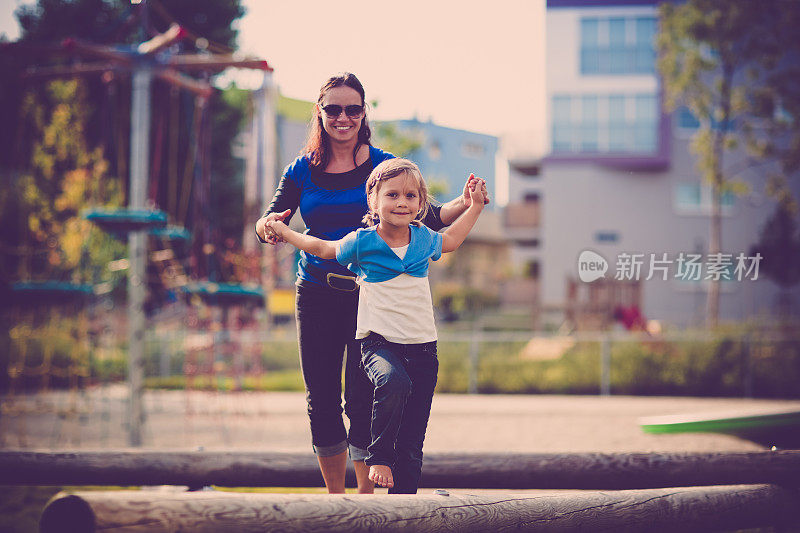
352, 111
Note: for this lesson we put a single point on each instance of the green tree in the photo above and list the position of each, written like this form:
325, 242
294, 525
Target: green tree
715, 60
438, 187
110, 21
106, 103
389, 137
229, 113
46, 23
779, 246
772, 128
64, 177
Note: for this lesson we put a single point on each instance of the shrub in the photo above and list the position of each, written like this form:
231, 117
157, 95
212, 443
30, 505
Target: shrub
722, 366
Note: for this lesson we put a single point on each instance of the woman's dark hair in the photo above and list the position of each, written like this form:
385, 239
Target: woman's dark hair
317, 147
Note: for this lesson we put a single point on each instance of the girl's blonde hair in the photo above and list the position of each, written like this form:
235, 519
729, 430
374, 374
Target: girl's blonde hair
391, 168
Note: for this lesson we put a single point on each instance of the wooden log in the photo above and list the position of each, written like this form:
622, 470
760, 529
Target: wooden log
610, 470
505, 471
685, 509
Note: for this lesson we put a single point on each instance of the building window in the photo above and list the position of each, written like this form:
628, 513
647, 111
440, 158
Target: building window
589, 123
526, 170
435, 151
645, 123
645, 53
606, 237
618, 45
617, 131
615, 123
531, 197
695, 281
473, 150
686, 120
695, 198
687, 195
590, 46
531, 270
562, 124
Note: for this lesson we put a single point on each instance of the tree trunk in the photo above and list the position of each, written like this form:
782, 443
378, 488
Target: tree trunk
714, 246
715, 238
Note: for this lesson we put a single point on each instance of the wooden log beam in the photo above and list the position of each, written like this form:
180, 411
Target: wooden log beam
68, 70
217, 61
488, 471
162, 40
110, 53
653, 510
198, 87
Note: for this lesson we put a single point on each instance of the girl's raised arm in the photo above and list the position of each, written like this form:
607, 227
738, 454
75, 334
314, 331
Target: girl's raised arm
454, 208
453, 236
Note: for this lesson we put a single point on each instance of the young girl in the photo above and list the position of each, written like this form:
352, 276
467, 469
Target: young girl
325, 184
395, 312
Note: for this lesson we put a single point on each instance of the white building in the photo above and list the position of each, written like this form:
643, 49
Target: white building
619, 178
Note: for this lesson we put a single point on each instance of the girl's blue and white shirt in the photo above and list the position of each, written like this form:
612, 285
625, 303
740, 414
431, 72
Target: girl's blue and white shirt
395, 296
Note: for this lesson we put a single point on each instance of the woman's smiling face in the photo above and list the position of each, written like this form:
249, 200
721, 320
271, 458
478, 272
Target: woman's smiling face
341, 128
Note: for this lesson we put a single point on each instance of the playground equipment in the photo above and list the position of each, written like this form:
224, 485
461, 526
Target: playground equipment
591, 306
691, 509
776, 428
154, 58
608, 471
120, 222
641, 492
49, 316
49, 291
211, 351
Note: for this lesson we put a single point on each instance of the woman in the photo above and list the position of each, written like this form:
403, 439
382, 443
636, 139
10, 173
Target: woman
326, 182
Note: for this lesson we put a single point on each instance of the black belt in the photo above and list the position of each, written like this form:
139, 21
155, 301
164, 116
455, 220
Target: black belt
342, 283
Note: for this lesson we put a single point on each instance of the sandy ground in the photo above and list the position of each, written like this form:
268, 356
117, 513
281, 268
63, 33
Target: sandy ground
276, 421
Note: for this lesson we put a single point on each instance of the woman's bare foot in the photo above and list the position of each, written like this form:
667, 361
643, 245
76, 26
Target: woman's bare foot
365, 485
381, 475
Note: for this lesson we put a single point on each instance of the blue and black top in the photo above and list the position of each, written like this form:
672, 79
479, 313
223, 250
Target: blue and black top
332, 205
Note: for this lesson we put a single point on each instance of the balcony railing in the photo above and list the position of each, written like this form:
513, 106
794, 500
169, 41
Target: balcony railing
522, 215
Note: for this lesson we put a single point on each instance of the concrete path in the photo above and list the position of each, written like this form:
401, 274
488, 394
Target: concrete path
277, 421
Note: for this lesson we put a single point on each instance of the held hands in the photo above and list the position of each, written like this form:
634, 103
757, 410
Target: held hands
275, 229
475, 184
477, 197
307, 243
268, 233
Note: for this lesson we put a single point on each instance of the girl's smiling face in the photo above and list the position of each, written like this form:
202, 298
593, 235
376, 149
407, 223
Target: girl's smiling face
396, 200
341, 128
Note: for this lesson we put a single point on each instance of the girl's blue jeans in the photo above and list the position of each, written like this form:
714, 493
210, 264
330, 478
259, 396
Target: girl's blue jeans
403, 376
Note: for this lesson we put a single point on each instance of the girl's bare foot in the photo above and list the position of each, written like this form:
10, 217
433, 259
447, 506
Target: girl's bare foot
381, 475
